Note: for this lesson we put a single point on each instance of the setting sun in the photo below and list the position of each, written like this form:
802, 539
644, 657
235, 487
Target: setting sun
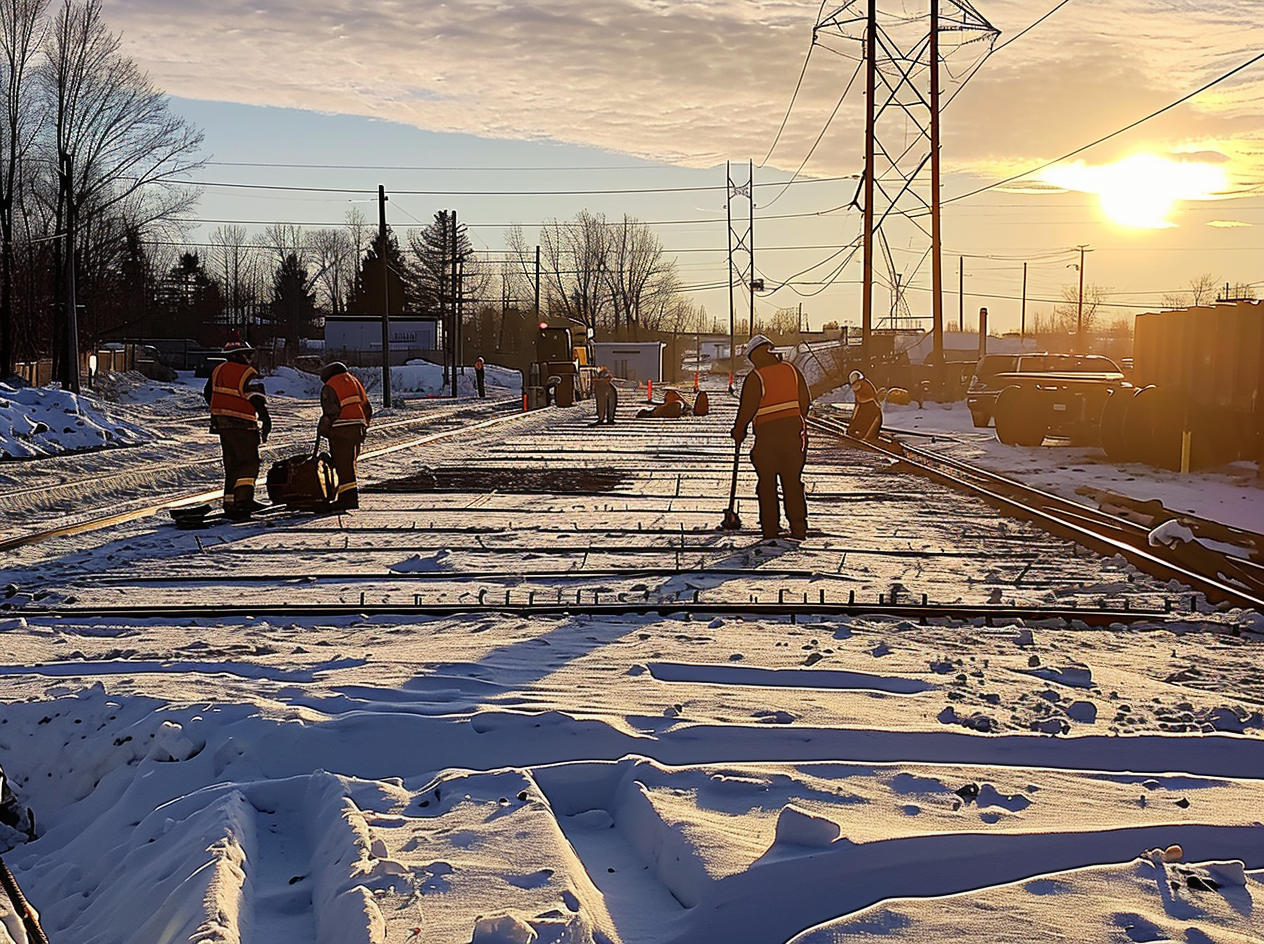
1141, 190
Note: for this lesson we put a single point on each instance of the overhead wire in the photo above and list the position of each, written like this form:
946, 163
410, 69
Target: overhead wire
794, 95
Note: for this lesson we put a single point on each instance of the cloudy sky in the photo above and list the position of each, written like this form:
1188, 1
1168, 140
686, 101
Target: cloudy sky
658, 94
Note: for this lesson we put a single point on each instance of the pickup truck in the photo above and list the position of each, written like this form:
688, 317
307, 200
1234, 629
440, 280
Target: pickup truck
1030, 396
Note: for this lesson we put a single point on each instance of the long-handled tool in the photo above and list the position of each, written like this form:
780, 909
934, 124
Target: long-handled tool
731, 522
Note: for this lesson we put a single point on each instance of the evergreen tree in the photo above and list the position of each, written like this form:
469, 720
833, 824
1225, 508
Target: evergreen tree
293, 302
432, 275
366, 293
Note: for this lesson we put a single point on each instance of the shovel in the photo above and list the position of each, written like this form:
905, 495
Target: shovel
731, 522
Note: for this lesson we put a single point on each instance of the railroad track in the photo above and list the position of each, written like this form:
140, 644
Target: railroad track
119, 487
1221, 578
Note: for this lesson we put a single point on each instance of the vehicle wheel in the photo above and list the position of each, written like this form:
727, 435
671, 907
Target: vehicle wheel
1114, 414
1152, 427
980, 420
1020, 416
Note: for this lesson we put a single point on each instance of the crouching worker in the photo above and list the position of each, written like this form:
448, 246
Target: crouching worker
866, 419
344, 421
239, 414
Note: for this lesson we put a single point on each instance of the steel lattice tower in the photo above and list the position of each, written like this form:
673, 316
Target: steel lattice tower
904, 52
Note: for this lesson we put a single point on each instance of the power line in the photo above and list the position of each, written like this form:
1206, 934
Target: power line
795, 95
1113, 134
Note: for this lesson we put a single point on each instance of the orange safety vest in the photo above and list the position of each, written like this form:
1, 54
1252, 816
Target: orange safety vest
228, 390
351, 398
779, 398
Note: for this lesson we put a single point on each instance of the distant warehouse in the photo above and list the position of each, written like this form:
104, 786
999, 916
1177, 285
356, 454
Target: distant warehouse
639, 361
357, 339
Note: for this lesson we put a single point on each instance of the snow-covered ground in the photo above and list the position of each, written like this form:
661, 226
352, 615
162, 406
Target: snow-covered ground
643, 779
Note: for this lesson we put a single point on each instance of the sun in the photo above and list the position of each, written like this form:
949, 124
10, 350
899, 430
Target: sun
1141, 190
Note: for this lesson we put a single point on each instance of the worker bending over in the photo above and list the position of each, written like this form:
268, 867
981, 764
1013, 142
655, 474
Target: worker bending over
345, 416
866, 418
239, 414
775, 400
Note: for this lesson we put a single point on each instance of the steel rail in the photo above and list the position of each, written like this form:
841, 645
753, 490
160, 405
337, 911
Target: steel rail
150, 508
1064, 518
793, 609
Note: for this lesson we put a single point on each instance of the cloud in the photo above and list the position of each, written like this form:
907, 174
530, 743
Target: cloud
698, 81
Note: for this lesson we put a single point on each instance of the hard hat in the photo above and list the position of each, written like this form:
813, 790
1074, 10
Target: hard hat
756, 342
855, 376
238, 347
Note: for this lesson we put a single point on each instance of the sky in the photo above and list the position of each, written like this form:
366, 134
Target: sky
650, 99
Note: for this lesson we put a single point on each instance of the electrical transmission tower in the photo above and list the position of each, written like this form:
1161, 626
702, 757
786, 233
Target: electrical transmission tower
905, 48
741, 254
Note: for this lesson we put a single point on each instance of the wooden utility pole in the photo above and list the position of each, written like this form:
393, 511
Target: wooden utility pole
1022, 324
72, 308
456, 292
871, 117
386, 298
1079, 307
936, 241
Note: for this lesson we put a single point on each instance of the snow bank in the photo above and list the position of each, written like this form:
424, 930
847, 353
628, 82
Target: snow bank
46, 421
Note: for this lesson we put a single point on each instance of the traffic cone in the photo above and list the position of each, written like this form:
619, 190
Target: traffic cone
649, 391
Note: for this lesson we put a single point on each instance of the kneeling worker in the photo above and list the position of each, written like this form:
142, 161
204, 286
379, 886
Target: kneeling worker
344, 421
775, 399
239, 414
866, 418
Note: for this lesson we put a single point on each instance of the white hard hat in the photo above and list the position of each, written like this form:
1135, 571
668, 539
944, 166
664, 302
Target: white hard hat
854, 376
757, 341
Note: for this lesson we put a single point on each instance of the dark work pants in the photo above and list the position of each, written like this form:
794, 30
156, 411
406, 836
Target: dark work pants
478, 381
344, 449
241, 464
866, 421
780, 453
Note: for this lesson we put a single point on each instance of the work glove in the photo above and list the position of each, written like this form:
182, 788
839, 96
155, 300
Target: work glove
324, 426
738, 435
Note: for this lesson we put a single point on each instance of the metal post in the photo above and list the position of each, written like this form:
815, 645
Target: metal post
386, 298
456, 291
982, 332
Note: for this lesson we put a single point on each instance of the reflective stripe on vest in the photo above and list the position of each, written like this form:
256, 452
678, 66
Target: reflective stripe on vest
228, 390
352, 400
779, 399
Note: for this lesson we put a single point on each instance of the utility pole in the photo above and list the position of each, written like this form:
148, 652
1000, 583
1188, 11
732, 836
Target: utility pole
961, 294
751, 234
386, 298
936, 239
537, 283
742, 243
1079, 307
455, 304
1022, 324
728, 209
871, 121
72, 308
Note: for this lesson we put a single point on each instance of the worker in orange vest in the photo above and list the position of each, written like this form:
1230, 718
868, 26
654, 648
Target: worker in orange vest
239, 414
775, 399
480, 376
866, 418
344, 421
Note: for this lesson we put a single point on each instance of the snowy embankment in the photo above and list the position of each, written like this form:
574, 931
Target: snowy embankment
46, 421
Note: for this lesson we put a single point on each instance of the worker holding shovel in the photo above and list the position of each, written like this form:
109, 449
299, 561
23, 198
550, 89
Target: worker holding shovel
775, 399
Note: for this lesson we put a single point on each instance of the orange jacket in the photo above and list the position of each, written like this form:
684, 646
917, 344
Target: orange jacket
779, 393
229, 396
352, 400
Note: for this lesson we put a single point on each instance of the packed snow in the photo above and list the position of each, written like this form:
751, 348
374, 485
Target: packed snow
646, 779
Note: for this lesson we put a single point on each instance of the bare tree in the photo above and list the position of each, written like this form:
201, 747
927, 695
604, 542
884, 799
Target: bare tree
576, 283
21, 34
118, 148
1075, 316
334, 257
1202, 291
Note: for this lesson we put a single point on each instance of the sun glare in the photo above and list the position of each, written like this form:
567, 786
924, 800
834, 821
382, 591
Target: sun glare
1141, 190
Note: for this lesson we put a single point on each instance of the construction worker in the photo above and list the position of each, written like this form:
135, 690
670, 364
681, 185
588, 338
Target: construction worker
479, 376
775, 400
866, 418
345, 417
606, 396
239, 414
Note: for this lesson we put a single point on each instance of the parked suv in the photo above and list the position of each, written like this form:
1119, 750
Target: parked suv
986, 384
